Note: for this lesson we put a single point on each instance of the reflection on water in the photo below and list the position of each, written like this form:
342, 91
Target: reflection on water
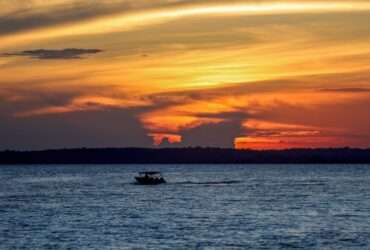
201, 207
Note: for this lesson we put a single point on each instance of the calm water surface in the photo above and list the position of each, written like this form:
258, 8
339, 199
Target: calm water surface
201, 207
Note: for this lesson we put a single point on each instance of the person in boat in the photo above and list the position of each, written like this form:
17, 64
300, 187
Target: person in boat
150, 178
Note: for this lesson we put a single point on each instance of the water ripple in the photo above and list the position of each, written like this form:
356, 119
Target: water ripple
201, 207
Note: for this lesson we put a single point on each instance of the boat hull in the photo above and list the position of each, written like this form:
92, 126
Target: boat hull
149, 181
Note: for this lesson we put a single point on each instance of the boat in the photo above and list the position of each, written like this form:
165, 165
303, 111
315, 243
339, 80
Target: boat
150, 178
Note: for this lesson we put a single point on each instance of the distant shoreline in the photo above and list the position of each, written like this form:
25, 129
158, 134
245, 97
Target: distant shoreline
186, 156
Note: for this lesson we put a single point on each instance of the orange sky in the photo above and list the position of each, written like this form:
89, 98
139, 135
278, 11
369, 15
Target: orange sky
249, 74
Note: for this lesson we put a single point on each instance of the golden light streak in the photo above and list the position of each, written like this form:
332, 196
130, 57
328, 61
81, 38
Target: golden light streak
127, 21
267, 143
267, 125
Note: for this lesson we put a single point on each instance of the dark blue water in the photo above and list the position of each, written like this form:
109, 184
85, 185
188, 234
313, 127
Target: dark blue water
201, 207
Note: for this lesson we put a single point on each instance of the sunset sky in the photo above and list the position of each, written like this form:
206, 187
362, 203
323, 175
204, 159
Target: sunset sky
160, 73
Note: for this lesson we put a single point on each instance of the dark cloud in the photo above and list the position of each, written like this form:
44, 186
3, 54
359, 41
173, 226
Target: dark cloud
47, 54
105, 128
228, 116
346, 90
167, 144
212, 135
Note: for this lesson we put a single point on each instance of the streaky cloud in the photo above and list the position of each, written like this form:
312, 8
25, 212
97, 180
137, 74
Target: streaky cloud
135, 19
20, 15
347, 90
50, 54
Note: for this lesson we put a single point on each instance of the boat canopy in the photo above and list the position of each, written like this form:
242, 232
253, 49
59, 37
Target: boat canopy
150, 173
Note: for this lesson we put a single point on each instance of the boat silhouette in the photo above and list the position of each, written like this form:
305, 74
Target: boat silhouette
149, 178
